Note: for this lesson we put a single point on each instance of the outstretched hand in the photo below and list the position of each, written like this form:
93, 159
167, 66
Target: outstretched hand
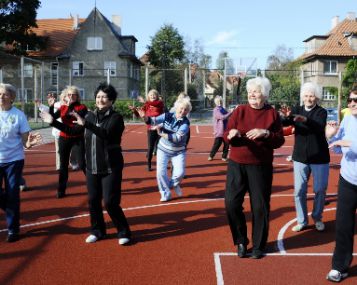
33, 139
46, 117
79, 120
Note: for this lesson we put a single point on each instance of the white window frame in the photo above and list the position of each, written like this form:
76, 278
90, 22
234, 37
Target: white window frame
329, 63
94, 43
112, 66
54, 73
28, 70
77, 68
327, 95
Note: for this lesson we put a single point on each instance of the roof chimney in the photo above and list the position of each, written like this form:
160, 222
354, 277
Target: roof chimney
116, 21
75, 22
334, 22
351, 16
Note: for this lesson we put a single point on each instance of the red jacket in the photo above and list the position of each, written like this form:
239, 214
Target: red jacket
153, 108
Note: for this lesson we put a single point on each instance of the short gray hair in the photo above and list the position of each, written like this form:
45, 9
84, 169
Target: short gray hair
186, 103
261, 83
311, 87
9, 88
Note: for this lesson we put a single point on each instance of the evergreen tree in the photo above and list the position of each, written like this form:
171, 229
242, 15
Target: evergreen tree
17, 17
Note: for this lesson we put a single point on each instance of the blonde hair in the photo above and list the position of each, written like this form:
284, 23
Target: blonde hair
218, 99
73, 89
152, 91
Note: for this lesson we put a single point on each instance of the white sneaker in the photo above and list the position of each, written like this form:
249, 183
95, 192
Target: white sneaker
336, 276
123, 241
298, 228
320, 226
210, 158
92, 239
178, 190
289, 158
166, 197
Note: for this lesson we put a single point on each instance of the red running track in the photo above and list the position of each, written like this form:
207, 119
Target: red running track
185, 241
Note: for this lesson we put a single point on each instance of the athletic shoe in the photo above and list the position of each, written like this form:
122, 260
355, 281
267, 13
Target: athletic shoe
241, 250
336, 276
320, 226
210, 158
298, 228
166, 198
92, 239
178, 190
123, 241
23, 188
12, 237
257, 254
289, 158
224, 159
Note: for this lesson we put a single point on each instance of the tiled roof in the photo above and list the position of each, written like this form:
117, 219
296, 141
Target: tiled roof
60, 33
336, 44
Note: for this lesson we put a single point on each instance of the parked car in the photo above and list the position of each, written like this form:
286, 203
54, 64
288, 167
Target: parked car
332, 114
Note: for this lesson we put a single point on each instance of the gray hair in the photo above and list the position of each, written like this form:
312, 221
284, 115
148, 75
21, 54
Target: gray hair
311, 87
261, 83
152, 91
9, 88
186, 103
218, 99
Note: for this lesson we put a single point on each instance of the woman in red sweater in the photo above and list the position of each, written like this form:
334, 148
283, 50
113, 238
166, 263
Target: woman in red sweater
254, 130
152, 107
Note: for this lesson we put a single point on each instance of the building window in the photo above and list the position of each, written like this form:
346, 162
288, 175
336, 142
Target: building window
28, 95
54, 73
111, 66
28, 70
330, 67
94, 43
81, 93
329, 93
77, 68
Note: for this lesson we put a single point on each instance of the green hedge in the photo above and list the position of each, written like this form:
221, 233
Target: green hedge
121, 106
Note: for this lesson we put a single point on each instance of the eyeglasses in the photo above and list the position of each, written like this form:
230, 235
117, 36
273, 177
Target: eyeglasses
349, 100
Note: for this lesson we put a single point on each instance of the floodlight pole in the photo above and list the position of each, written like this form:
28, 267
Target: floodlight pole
224, 82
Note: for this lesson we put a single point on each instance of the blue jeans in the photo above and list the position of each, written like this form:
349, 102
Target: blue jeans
320, 173
178, 171
11, 174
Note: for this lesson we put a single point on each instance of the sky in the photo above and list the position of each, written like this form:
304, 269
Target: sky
249, 31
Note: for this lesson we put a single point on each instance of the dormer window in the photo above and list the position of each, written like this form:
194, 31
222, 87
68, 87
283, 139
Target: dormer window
94, 43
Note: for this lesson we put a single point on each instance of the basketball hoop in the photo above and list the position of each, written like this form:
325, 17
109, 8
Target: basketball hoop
241, 75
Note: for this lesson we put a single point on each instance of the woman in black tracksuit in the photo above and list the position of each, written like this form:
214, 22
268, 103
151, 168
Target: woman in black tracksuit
104, 160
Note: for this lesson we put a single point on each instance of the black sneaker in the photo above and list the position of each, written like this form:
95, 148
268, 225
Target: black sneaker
241, 250
12, 237
60, 194
257, 254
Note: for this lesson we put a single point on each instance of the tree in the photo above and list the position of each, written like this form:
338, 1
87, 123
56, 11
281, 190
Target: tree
283, 73
167, 47
281, 57
349, 78
17, 17
224, 59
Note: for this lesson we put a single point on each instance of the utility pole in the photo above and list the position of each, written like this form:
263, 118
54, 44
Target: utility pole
224, 82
